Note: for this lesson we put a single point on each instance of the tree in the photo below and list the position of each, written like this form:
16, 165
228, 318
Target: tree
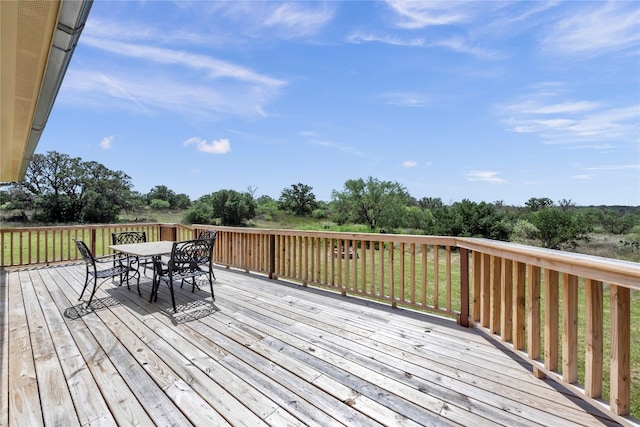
298, 198
481, 220
162, 192
556, 228
66, 189
16, 199
566, 204
537, 203
375, 203
617, 223
226, 207
430, 203
267, 207
418, 218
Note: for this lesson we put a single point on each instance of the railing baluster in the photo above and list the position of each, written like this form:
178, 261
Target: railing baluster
534, 318
551, 318
506, 306
620, 349
593, 338
496, 275
570, 328
519, 304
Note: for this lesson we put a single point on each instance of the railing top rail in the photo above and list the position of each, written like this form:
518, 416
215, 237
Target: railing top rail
80, 226
395, 238
619, 272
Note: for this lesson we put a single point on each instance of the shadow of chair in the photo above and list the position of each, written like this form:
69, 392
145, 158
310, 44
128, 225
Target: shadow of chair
189, 260
128, 237
100, 275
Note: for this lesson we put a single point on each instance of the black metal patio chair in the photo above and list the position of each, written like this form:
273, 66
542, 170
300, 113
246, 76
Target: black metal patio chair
100, 275
209, 234
127, 237
187, 263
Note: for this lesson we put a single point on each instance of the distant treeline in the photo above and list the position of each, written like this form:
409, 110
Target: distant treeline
60, 189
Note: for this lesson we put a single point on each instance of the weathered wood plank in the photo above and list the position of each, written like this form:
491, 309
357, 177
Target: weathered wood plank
89, 404
4, 349
57, 405
266, 352
134, 371
124, 406
24, 401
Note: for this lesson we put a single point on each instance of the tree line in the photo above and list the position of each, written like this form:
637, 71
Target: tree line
60, 189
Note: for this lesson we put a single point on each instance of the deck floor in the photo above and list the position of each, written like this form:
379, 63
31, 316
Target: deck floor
264, 353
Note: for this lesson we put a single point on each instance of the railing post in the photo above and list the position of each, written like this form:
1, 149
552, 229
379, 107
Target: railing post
168, 232
620, 350
463, 319
92, 240
272, 256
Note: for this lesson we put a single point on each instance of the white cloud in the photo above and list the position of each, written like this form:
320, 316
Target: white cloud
461, 45
214, 68
584, 177
609, 27
572, 122
486, 176
406, 99
148, 93
106, 142
613, 167
409, 164
420, 14
340, 147
298, 19
360, 37
220, 146
564, 107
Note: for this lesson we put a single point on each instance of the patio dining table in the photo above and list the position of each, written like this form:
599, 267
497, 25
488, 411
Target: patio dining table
147, 249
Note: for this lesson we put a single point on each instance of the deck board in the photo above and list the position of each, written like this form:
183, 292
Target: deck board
263, 353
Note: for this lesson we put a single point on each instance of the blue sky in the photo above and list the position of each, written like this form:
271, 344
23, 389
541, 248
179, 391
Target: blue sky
478, 100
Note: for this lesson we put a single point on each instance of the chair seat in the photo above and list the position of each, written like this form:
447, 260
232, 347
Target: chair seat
110, 272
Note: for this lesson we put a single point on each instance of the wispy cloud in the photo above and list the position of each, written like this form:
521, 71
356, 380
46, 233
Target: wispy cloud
362, 37
613, 167
340, 147
212, 67
269, 20
409, 164
584, 177
486, 176
297, 19
420, 14
583, 123
462, 45
220, 146
149, 93
407, 99
106, 142
601, 28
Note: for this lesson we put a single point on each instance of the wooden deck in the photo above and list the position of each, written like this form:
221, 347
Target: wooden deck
264, 353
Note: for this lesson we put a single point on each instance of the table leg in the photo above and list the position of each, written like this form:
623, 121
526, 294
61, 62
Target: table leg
155, 284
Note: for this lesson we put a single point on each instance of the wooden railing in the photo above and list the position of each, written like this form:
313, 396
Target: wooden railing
49, 245
516, 293
568, 314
